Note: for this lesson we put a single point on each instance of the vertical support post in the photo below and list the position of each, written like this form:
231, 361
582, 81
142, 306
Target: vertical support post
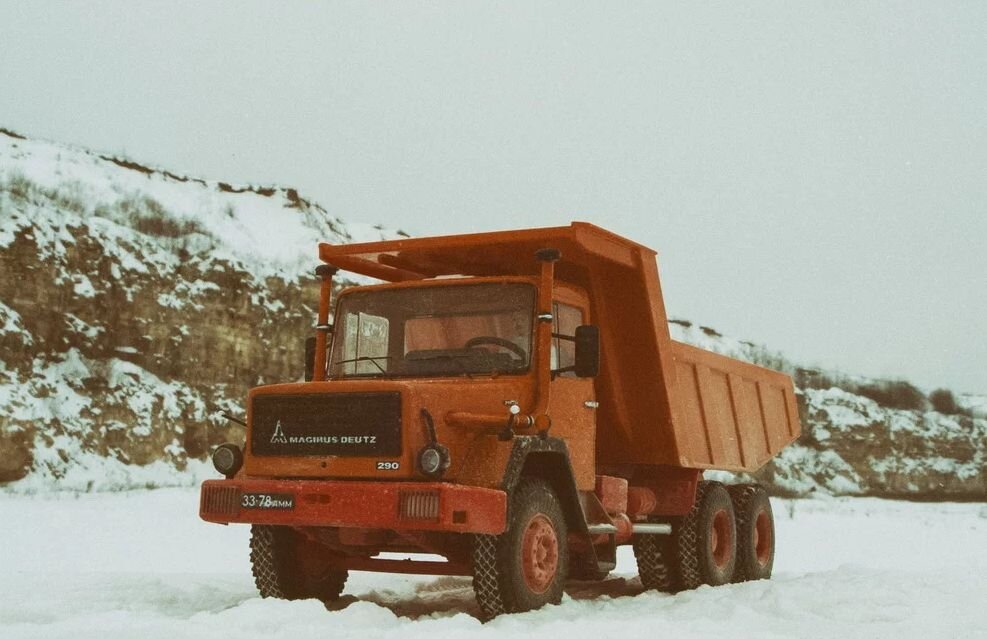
322, 328
548, 257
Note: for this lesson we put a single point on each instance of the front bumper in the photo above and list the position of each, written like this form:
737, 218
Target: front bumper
432, 506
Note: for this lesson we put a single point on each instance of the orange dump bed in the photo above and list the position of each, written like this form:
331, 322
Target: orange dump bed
661, 402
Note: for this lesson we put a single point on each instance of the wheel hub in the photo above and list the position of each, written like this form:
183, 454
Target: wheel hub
720, 540
762, 538
539, 553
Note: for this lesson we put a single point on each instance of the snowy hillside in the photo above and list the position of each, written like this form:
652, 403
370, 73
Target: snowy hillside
134, 304
137, 303
262, 230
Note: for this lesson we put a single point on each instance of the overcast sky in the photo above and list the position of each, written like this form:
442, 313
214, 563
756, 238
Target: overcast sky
813, 175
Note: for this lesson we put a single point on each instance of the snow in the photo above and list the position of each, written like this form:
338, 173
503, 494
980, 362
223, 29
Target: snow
55, 396
706, 338
844, 410
10, 323
977, 404
268, 232
80, 327
141, 564
83, 286
93, 473
805, 466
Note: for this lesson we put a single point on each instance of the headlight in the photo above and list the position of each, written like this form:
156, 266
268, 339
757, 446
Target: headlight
227, 459
433, 460
430, 461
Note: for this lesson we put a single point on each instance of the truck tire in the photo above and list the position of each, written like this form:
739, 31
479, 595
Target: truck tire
652, 553
755, 532
706, 539
525, 567
279, 571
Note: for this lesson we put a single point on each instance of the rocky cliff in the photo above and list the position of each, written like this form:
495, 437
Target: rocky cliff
137, 303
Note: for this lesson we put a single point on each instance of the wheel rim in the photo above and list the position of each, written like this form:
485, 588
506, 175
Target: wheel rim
762, 538
721, 539
539, 553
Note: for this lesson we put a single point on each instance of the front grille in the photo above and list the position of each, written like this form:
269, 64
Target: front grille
220, 500
336, 424
419, 504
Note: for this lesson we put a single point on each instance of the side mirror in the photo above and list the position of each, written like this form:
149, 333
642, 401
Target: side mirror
587, 351
309, 358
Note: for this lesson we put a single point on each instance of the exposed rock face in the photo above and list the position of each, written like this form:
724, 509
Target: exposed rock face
852, 445
128, 322
136, 304
135, 364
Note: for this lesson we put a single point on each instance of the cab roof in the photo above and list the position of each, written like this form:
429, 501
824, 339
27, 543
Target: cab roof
583, 247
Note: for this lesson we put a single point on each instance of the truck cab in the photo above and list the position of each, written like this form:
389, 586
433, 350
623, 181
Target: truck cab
465, 408
448, 348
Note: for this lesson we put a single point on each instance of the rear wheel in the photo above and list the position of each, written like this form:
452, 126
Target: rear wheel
706, 539
525, 567
653, 554
755, 532
287, 566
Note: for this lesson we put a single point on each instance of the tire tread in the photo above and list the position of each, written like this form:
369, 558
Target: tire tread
271, 552
653, 566
743, 496
494, 572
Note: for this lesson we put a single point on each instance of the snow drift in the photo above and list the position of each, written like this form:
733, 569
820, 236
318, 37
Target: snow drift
844, 568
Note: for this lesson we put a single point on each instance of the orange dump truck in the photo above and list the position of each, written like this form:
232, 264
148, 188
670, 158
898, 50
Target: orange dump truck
513, 403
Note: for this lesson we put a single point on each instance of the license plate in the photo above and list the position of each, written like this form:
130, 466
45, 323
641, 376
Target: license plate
267, 501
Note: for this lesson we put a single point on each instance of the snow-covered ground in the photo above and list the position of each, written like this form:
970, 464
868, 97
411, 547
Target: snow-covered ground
141, 564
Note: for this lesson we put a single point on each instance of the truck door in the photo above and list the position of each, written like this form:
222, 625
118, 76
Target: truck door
572, 406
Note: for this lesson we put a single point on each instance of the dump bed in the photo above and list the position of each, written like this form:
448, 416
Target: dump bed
661, 401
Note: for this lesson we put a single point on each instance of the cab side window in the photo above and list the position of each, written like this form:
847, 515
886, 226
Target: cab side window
565, 320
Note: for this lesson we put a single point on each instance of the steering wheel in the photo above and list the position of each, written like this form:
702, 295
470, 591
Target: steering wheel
506, 344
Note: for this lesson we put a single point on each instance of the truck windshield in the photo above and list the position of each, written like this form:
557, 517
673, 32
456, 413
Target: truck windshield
459, 329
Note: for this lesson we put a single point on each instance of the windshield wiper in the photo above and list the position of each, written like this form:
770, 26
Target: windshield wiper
365, 358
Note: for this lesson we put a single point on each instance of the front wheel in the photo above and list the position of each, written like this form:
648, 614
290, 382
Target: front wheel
286, 566
525, 567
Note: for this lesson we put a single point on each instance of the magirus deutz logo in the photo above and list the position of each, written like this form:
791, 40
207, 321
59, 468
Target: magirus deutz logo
279, 437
